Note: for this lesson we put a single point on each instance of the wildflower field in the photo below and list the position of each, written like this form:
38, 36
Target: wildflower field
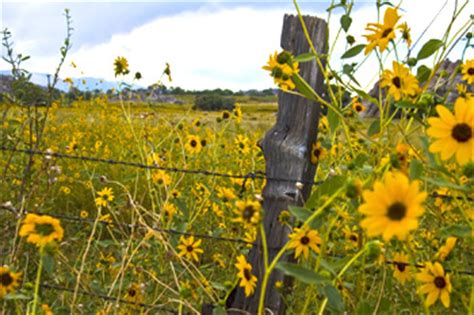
114, 205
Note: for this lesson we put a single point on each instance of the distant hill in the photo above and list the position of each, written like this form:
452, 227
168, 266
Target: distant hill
83, 83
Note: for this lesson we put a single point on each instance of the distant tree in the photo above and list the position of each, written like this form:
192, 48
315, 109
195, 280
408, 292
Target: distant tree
214, 102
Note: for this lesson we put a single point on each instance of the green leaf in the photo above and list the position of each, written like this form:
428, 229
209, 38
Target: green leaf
443, 183
405, 104
354, 51
304, 57
374, 128
423, 73
300, 213
219, 310
48, 263
429, 48
346, 22
16, 296
304, 88
300, 273
326, 265
416, 169
328, 187
333, 120
461, 231
335, 301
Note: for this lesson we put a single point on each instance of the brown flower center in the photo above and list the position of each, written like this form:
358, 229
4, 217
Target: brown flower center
6, 279
396, 81
470, 71
247, 274
397, 211
358, 108
193, 143
248, 212
440, 282
401, 267
132, 292
387, 32
304, 240
45, 229
190, 248
353, 238
461, 132
317, 152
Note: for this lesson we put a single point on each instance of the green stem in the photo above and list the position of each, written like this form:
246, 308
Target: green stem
265, 247
339, 275
38, 279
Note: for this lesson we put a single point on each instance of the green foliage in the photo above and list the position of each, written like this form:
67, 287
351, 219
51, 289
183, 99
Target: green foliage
214, 103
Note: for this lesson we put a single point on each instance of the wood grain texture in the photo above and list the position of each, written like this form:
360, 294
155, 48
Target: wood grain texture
286, 148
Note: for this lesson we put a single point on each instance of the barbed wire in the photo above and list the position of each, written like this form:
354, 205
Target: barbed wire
203, 236
250, 175
108, 298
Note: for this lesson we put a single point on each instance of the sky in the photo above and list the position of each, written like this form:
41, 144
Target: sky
212, 44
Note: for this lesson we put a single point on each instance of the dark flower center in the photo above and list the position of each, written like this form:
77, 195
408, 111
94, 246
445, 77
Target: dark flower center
189, 248
45, 229
203, 143
397, 211
304, 240
353, 237
248, 212
462, 132
470, 71
6, 279
132, 292
283, 57
277, 72
387, 32
440, 282
247, 274
317, 152
193, 143
358, 108
401, 267
396, 81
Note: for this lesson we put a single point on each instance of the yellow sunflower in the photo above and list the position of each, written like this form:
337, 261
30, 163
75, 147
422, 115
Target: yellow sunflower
247, 280
453, 133
468, 71
104, 197
41, 229
248, 212
190, 248
444, 250
193, 144
134, 294
304, 239
357, 106
436, 284
393, 207
317, 152
382, 33
282, 67
402, 271
405, 33
9, 281
400, 82
121, 66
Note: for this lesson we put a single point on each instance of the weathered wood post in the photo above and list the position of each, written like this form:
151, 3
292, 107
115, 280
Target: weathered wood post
287, 149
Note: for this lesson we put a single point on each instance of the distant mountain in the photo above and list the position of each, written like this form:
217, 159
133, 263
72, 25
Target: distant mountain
83, 83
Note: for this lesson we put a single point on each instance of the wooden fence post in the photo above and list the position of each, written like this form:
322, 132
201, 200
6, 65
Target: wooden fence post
287, 150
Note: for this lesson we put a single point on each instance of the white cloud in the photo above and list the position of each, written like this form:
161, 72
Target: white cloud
227, 47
